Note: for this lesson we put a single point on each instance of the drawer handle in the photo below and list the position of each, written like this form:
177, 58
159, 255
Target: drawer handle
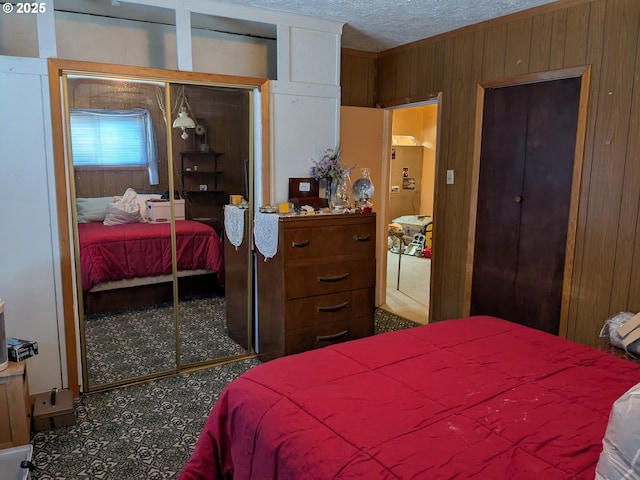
333, 308
320, 338
300, 244
334, 279
364, 238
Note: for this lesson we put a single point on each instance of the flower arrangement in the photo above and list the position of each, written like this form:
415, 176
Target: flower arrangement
329, 167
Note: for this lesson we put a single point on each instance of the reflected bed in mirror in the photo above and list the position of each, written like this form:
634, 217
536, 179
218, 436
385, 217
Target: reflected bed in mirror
127, 286
129, 256
150, 296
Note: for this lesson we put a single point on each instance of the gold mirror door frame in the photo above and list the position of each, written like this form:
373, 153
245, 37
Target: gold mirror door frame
161, 324
117, 155
211, 162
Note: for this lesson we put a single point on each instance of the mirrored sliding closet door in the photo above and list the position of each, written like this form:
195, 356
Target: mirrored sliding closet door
152, 162
210, 164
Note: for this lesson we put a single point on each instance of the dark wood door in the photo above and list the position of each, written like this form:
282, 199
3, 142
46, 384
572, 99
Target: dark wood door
526, 170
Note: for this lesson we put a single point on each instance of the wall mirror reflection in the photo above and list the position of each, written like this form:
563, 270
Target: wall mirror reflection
151, 165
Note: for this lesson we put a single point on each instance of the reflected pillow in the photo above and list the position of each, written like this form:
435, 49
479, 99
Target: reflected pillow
92, 209
121, 214
124, 210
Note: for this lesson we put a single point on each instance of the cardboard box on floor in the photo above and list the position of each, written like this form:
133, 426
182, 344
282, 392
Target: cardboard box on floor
53, 410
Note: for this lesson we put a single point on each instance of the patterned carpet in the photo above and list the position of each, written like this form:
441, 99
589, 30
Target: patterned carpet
116, 352
144, 431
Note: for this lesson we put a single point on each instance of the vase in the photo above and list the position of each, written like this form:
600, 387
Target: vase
363, 190
330, 191
344, 191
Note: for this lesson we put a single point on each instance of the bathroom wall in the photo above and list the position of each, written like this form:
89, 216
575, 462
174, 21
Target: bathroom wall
421, 124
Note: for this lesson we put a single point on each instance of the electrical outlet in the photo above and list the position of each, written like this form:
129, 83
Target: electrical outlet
203, 188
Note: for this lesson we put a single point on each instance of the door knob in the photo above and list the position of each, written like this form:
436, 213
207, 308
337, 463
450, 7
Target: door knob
518, 199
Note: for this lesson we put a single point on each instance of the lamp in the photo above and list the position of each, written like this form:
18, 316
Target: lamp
184, 121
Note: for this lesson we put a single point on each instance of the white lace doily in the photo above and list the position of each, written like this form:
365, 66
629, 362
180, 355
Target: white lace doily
265, 233
234, 224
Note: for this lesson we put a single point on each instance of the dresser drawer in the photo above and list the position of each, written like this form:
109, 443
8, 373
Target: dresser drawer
305, 312
330, 277
318, 336
355, 241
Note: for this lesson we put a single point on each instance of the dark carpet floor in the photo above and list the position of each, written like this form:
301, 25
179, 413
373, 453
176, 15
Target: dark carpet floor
144, 431
116, 352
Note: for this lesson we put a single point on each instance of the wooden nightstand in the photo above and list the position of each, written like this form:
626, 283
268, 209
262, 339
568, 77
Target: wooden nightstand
15, 407
618, 352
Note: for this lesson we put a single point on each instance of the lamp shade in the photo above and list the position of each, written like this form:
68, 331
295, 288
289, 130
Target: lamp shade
184, 120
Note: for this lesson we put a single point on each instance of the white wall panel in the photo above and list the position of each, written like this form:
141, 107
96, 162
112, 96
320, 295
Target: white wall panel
216, 52
18, 35
305, 122
128, 42
28, 240
313, 56
110, 40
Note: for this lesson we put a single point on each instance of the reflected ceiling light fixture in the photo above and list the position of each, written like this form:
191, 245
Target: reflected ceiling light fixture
183, 120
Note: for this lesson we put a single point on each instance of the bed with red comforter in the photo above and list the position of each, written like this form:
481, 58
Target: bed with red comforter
134, 250
477, 397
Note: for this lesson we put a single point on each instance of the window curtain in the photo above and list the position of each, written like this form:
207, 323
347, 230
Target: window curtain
114, 138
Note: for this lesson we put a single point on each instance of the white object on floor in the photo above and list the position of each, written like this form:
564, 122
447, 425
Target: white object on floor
416, 246
10, 460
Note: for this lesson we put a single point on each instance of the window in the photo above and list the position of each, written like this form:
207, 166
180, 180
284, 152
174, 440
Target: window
114, 138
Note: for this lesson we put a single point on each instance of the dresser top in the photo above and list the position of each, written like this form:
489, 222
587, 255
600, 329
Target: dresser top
329, 218
13, 368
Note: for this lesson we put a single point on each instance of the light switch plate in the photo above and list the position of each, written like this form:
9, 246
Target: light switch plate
449, 177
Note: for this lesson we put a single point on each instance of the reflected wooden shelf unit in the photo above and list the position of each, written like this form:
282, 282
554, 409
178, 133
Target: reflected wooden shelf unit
200, 169
15, 407
200, 172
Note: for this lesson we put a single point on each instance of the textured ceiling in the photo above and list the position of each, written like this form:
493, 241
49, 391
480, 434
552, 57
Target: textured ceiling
369, 25
376, 25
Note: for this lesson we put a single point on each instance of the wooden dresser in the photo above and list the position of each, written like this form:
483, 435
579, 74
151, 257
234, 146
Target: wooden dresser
319, 287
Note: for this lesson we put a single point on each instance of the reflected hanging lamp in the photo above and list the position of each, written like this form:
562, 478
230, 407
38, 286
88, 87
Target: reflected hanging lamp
183, 119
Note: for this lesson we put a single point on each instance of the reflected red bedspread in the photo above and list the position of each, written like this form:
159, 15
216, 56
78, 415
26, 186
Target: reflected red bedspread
133, 250
472, 398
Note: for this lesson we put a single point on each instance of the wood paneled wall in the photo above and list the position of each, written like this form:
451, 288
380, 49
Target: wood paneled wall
358, 78
225, 113
600, 33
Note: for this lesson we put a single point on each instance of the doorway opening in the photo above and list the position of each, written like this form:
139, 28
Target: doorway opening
411, 196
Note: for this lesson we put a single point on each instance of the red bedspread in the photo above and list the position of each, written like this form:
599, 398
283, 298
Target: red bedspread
133, 250
472, 398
